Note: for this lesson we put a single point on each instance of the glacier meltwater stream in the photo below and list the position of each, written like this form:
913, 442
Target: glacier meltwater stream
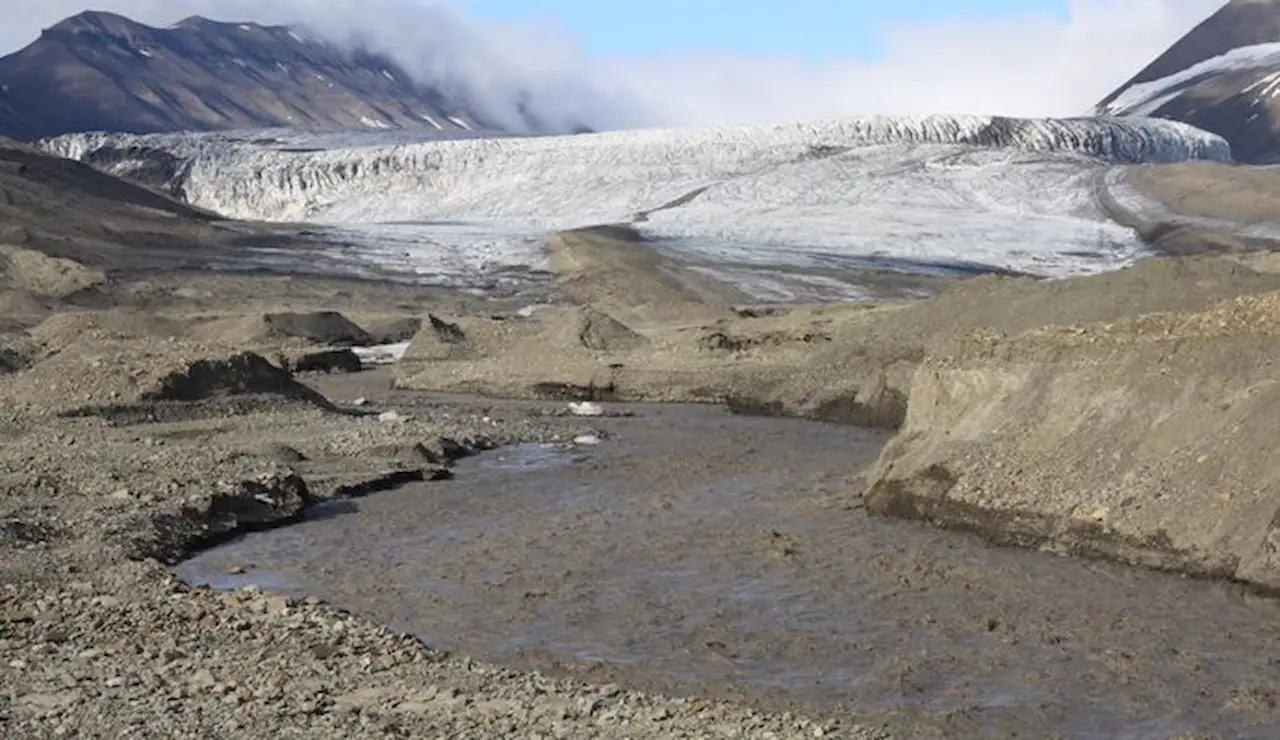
695, 551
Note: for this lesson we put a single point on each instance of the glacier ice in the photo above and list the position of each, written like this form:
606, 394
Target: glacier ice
1006, 193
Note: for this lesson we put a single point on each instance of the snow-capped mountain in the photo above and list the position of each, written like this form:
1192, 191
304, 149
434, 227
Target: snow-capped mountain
1223, 76
933, 193
100, 71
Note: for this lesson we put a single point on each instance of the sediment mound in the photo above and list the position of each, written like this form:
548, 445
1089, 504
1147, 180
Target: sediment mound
122, 373
439, 339
20, 310
1147, 440
69, 327
274, 330
864, 373
583, 353
611, 269
321, 327
394, 331
34, 285
243, 373
38, 274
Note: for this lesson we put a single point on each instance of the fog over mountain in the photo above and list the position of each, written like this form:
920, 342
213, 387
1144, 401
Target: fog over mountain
1035, 65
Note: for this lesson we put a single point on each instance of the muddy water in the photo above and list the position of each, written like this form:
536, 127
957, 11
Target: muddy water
693, 551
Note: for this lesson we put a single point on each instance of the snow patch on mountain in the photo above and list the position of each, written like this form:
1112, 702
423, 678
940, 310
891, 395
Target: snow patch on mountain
1266, 87
1145, 98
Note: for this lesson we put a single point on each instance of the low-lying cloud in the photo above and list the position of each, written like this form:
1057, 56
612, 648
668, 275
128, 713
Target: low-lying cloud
1031, 65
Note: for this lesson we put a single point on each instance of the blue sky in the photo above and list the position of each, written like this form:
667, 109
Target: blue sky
814, 30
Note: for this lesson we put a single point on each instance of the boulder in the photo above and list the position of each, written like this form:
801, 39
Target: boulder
601, 332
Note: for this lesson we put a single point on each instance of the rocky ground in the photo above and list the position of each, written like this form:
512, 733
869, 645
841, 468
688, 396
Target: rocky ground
99, 639
145, 415
136, 434
150, 407
105, 485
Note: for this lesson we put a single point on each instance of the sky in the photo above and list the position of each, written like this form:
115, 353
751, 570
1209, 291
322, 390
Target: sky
625, 63
809, 29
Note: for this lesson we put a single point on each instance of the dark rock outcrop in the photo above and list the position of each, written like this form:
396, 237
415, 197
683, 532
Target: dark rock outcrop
241, 374
328, 361
245, 506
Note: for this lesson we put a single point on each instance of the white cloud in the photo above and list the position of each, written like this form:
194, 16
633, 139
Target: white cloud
1032, 65
1027, 66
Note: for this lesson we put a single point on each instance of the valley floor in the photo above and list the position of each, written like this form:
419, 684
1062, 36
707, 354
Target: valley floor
146, 414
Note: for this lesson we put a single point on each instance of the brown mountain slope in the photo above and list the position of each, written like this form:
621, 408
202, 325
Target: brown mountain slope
67, 209
1233, 96
101, 71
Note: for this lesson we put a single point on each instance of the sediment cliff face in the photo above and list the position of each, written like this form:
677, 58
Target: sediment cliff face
1149, 440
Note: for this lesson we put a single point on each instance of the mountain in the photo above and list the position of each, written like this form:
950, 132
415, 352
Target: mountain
1223, 76
102, 71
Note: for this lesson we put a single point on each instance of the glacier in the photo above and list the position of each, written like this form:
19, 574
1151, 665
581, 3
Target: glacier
992, 192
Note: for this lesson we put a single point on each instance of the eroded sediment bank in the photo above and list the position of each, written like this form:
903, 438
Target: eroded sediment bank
1141, 440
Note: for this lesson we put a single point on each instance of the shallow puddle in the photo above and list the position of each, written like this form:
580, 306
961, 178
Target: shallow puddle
693, 551
528, 457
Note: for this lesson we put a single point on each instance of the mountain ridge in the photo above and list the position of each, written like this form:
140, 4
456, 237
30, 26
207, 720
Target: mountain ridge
100, 71
1222, 76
